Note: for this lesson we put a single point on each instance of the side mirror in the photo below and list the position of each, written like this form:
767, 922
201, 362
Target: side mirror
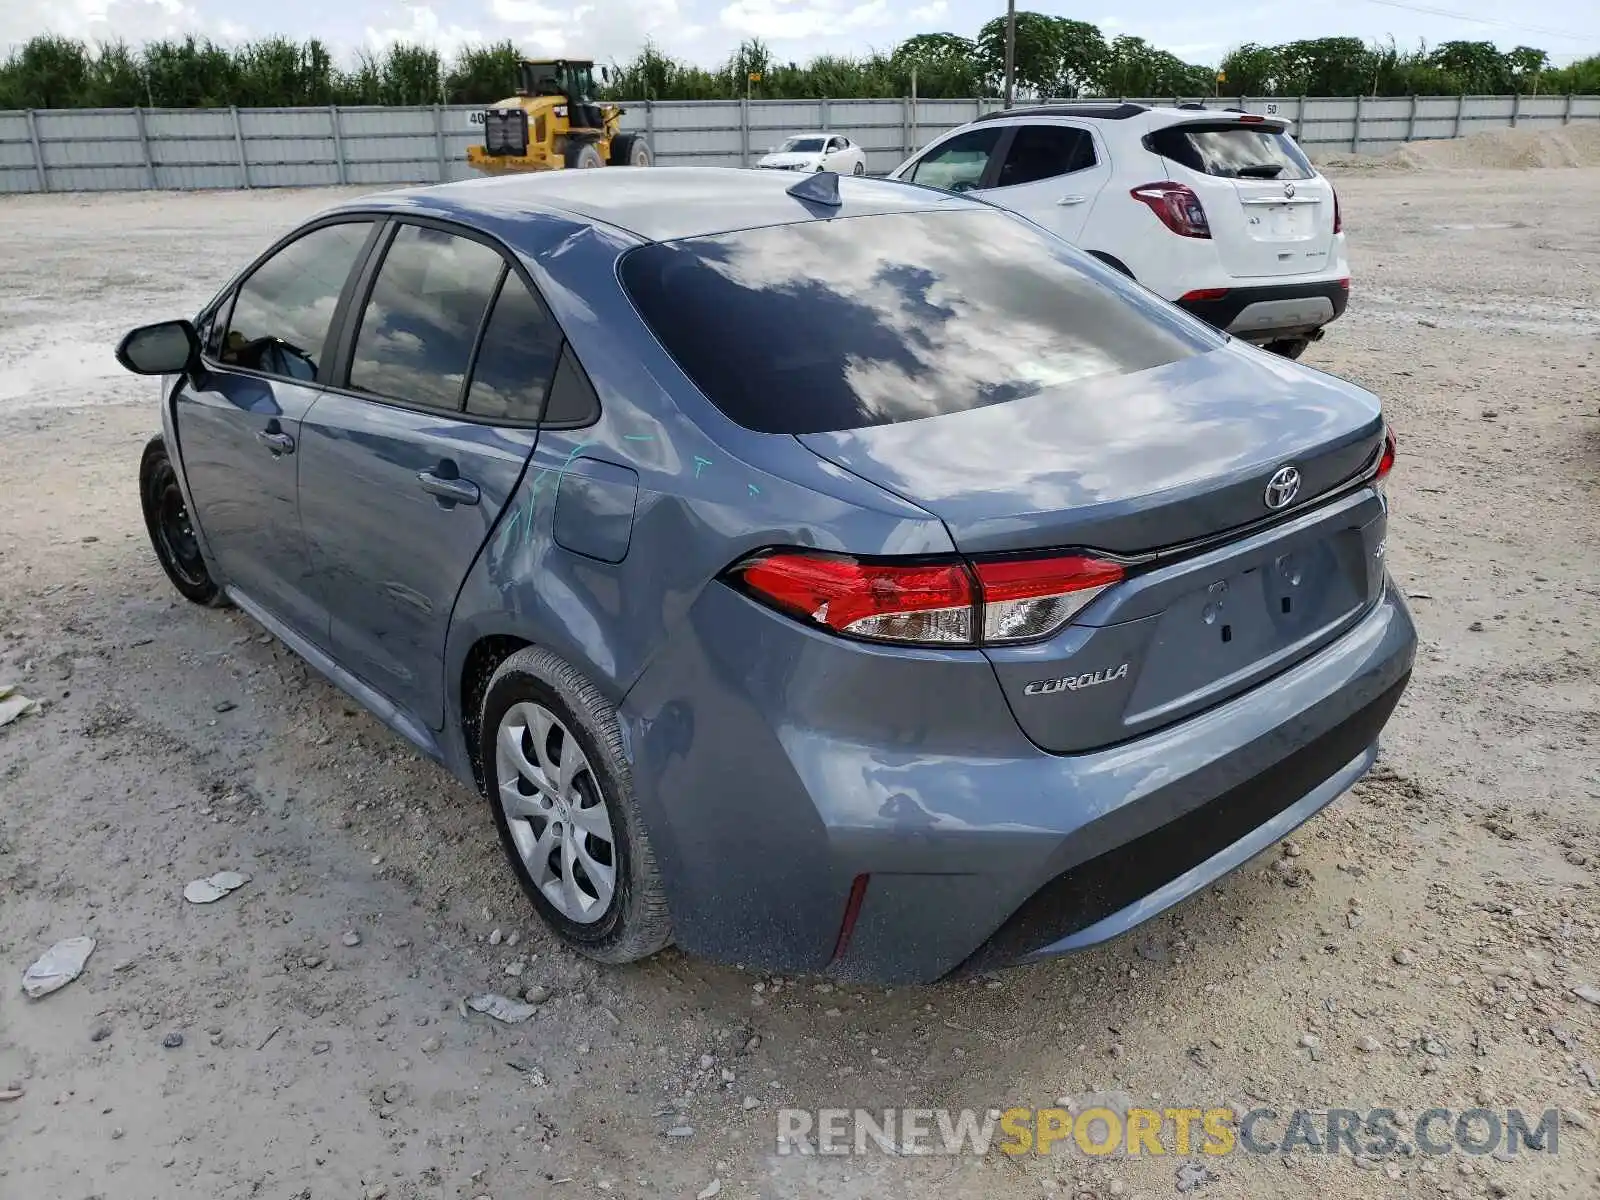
166, 348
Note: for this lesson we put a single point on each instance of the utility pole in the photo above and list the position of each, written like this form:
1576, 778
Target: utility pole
1011, 51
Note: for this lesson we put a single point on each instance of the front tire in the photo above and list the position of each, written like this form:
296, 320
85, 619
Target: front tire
171, 530
582, 156
561, 789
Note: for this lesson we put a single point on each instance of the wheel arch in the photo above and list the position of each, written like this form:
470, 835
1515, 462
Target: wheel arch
1115, 263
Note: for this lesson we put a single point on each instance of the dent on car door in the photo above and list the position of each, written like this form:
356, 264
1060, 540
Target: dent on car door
407, 463
238, 420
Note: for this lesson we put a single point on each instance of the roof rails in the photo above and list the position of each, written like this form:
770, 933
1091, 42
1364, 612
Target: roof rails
1108, 110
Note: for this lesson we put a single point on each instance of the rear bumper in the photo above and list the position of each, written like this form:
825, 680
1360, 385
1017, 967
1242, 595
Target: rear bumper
772, 773
1267, 313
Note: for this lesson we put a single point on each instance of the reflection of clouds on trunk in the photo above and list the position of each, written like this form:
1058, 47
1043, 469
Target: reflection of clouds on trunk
836, 324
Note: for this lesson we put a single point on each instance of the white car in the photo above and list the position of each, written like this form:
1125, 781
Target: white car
1216, 209
817, 152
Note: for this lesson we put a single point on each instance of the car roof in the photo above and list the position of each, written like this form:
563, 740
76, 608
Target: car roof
1140, 117
821, 133
662, 203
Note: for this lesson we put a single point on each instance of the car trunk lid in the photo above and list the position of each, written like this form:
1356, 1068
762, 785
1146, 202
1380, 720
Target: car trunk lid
1166, 470
1270, 213
1125, 463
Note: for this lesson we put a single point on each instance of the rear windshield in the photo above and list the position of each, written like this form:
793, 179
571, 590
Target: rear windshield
1233, 151
830, 325
803, 145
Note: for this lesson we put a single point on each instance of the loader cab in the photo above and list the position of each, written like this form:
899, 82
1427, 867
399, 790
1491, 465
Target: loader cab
570, 78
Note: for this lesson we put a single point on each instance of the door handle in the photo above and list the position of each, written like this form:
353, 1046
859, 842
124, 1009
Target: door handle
448, 489
1072, 200
275, 441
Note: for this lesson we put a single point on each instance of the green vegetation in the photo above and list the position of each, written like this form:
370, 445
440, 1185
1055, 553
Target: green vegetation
1055, 57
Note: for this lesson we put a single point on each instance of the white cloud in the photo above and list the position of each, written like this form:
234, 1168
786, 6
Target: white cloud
98, 20
423, 28
790, 20
930, 12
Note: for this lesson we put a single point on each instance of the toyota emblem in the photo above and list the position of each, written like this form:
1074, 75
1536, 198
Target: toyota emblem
1282, 488
1288, 191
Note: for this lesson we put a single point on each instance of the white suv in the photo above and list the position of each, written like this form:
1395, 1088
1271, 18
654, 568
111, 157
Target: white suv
1215, 209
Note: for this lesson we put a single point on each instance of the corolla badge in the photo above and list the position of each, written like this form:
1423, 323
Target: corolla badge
1282, 488
1071, 683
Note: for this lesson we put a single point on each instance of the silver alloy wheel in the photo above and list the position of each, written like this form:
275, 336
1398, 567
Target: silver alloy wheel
556, 812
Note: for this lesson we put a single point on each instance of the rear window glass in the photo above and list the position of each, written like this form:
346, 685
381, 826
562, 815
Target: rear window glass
1233, 151
838, 324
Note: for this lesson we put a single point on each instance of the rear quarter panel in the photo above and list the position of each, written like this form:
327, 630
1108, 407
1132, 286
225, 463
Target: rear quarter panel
708, 492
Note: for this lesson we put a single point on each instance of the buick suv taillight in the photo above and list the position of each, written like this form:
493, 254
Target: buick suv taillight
1178, 207
926, 602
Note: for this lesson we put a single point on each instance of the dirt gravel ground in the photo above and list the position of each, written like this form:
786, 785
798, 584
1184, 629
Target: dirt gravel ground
1414, 946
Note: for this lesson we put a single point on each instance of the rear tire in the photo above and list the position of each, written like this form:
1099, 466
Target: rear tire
630, 150
859, 169
597, 885
171, 530
582, 156
1289, 347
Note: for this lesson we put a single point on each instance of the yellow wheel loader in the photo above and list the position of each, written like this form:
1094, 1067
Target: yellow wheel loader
554, 122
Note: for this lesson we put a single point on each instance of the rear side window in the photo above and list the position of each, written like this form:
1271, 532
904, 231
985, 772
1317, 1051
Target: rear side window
282, 312
1232, 151
517, 359
959, 163
833, 325
422, 318
1045, 151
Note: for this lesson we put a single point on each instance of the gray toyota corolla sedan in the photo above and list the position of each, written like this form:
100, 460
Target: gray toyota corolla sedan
833, 576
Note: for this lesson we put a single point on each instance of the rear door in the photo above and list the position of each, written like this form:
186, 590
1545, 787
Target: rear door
1271, 214
239, 425
1051, 174
406, 464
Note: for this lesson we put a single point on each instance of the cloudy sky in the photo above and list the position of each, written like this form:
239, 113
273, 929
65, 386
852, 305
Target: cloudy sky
706, 30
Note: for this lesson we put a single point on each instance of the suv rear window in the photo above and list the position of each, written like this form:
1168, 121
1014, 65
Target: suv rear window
1232, 151
823, 326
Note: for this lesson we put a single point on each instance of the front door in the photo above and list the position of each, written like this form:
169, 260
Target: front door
406, 465
1051, 174
239, 421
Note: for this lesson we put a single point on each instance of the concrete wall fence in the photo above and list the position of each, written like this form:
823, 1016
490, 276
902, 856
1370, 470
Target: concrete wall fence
77, 150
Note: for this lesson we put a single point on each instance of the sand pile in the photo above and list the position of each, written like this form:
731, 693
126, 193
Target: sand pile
1575, 145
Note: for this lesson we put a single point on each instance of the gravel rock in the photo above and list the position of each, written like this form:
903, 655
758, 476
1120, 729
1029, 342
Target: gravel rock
430, 1045
1404, 957
536, 993
711, 1189
1368, 1044
351, 938
681, 1131
100, 1034
1587, 992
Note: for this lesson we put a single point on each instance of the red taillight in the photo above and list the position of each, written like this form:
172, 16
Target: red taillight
886, 602
1029, 598
1204, 294
1386, 459
949, 602
1338, 218
1178, 207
